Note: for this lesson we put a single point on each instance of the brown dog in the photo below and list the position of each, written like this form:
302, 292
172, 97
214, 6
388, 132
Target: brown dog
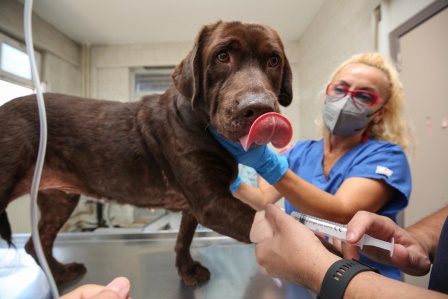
155, 153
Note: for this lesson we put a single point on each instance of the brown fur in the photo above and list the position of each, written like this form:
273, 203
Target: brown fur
155, 153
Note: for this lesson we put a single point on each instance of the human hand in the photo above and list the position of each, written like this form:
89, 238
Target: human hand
336, 243
409, 256
289, 250
265, 162
117, 289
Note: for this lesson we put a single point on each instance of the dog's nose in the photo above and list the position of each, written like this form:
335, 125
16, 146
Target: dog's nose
254, 105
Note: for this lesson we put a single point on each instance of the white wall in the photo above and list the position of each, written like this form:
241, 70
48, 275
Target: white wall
111, 65
61, 64
111, 76
341, 29
60, 76
395, 13
331, 38
422, 54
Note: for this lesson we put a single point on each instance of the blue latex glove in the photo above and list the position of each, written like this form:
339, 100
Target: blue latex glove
235, 185
266, 163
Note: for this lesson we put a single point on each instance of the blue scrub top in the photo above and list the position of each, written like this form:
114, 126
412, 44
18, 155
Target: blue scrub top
371, 159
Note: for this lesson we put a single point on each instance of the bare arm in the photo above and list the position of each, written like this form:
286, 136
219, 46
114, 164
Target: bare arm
366, 285
428, 230
305, 260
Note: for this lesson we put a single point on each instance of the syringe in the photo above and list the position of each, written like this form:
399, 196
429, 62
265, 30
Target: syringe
339, 231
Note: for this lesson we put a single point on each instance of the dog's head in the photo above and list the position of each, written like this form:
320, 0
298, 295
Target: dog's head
235, 72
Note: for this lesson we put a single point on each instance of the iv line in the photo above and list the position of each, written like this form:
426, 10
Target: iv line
42, 148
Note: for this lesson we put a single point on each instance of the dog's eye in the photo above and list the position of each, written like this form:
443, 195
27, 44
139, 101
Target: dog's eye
274, 61
223, 56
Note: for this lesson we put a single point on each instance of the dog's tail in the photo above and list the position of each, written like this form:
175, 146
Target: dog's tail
5, 229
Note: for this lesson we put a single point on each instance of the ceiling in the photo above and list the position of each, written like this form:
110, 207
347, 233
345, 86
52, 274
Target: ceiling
149, 21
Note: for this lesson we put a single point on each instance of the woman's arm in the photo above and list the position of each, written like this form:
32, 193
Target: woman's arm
353, 195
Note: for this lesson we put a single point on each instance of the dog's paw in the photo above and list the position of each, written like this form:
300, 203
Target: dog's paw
194, 274
61, 272
68, 272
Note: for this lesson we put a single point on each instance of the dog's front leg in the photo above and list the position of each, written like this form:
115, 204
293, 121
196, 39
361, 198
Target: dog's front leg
190, 271
226, 215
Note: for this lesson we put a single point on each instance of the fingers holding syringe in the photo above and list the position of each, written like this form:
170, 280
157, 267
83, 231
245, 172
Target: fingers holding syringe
376, 226
410, 258
408, 255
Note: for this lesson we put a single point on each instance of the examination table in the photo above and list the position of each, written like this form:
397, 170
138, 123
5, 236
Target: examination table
147, 259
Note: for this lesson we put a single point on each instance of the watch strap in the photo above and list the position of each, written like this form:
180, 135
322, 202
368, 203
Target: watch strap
339, 275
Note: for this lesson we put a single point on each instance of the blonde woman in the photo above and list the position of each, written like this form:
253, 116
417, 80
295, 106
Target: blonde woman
359, 164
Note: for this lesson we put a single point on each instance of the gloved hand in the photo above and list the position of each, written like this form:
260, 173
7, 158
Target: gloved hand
235, 185
265, 162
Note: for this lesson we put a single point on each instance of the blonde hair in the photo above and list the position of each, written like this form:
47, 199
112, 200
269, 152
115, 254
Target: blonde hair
394, 126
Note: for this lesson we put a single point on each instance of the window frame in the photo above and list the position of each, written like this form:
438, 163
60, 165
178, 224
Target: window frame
12, 78
153, 70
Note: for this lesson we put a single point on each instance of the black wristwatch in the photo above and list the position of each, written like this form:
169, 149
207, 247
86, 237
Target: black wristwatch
339, 275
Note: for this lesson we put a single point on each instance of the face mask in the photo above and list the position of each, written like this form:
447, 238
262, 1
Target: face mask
343, 117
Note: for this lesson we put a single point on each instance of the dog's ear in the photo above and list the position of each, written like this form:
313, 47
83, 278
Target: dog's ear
285, 96
186, 74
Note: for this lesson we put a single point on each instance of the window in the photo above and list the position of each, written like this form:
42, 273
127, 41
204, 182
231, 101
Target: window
150, 80
11, 91
14, 62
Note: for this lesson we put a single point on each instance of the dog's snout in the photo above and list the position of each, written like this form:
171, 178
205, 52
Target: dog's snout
254, 105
